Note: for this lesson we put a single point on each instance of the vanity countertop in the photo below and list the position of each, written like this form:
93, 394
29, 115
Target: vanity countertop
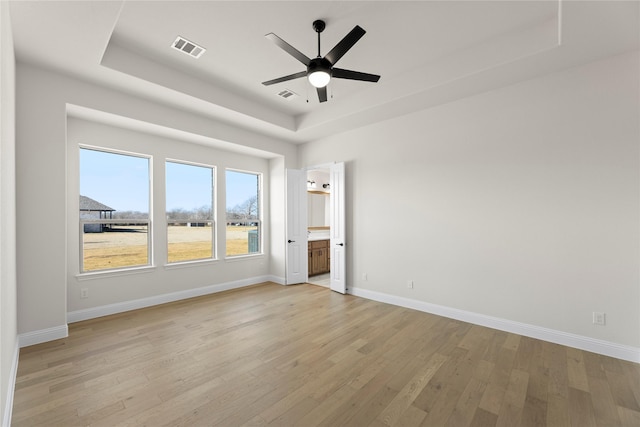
318, 236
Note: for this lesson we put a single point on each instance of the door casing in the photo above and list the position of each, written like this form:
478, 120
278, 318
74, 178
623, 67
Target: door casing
297, 237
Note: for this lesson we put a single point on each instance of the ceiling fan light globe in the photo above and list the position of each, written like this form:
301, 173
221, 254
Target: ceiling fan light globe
319, 78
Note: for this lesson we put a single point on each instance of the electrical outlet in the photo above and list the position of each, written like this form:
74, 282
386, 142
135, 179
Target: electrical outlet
84, 293
599, 318
410, 284
364, 277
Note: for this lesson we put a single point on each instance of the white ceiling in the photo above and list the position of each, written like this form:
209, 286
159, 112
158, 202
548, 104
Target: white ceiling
427, 52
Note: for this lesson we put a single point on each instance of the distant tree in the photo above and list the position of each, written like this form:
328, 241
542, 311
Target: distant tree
246, 210
203, 213
130, 215
177, 215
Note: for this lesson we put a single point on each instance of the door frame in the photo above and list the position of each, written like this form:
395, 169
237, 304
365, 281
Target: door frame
332, 262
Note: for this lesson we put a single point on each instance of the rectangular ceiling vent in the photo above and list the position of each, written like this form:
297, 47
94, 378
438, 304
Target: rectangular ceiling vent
288, 94
188, 47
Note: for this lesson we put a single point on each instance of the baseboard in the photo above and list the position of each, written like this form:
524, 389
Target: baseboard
120, 307
11, 387
277, 279
43, 335
593, 345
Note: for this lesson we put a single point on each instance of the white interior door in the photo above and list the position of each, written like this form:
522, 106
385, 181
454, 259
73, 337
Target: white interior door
296, 236
337, 229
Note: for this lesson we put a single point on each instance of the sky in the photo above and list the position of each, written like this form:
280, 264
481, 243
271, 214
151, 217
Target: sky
122, 182
188, 186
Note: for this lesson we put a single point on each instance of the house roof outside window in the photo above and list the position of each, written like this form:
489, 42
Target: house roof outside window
87, 204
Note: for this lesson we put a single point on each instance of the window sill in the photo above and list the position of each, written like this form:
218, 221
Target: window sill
116, 272
188, 264
235, 258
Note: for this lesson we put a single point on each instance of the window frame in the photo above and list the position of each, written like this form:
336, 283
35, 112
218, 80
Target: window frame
214, 246
148, 221
259, 214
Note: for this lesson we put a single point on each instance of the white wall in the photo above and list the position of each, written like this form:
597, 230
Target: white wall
8, 324
114, 288
41, 169
519, 204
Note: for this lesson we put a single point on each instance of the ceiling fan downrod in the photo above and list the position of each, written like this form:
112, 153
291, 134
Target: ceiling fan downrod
319, 26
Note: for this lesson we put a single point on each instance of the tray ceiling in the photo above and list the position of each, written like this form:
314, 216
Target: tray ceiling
427, 52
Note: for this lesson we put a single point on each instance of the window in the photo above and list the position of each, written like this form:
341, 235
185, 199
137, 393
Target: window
189, 202
114, 210
243, 213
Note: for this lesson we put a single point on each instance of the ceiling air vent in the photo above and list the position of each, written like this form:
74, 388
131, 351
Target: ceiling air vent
288, 94
190, 48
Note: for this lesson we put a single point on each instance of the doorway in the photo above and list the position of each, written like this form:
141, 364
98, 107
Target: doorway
319, 226
297, 231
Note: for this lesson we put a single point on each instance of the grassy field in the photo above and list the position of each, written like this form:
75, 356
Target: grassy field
129, 248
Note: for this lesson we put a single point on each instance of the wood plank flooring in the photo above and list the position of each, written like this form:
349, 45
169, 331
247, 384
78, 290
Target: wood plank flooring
305, 356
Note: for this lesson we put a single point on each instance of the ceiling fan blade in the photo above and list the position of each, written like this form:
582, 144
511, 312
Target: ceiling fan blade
345, 44
285, 78
322, 94
289, 49
340, 73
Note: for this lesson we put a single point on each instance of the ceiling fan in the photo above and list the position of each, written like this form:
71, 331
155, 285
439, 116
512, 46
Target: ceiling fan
320, 70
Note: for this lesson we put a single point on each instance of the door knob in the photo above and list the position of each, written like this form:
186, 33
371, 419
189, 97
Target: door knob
291, 241
339, 244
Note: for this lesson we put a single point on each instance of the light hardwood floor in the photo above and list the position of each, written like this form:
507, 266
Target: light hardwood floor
305, 356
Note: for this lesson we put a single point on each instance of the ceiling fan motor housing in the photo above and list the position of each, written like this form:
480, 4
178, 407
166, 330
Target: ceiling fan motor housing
319, 64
